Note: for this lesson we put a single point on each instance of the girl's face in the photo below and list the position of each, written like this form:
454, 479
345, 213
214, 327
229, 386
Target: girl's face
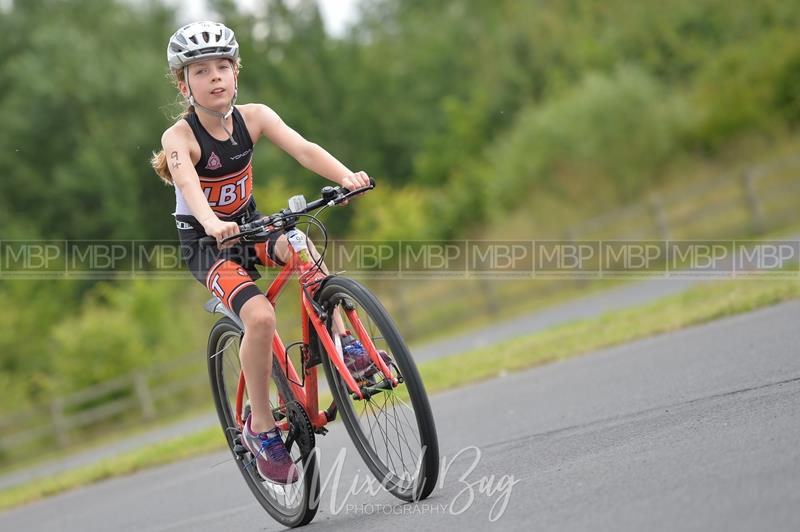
213, 83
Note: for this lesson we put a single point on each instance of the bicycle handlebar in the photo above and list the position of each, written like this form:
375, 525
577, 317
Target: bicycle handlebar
329, 196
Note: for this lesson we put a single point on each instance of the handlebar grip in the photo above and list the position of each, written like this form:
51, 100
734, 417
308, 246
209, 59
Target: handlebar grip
371, 184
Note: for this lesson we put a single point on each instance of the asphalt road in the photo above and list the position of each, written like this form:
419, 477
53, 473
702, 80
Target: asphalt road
694, 430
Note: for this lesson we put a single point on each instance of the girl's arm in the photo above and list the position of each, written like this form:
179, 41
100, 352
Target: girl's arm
176, 148
310, 155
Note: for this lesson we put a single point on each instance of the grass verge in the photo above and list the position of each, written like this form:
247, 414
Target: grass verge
695, 306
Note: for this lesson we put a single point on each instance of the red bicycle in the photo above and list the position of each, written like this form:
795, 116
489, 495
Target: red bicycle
387, 414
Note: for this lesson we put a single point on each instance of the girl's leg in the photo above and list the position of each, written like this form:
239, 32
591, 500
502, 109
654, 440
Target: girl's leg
255, 354
260, 432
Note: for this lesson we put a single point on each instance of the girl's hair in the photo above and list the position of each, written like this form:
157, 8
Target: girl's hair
159, 159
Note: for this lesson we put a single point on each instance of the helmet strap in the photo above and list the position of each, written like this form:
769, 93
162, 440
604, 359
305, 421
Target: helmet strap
222, 116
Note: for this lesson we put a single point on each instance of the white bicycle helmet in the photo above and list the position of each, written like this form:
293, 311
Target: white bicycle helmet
199, 41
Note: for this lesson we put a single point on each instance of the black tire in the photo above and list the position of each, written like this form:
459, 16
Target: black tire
409, 476
293, 505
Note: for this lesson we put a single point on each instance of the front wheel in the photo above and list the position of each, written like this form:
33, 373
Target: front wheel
393, 429
291, 504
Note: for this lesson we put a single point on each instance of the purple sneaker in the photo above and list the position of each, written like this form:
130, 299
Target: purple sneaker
357, 359
272, 459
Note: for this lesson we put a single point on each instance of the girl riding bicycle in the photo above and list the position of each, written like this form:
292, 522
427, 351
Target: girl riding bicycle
207, 157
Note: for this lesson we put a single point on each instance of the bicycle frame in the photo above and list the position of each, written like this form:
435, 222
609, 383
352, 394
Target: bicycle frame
310, 279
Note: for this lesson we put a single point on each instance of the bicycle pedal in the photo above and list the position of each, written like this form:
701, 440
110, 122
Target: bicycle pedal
239, 449
322, 431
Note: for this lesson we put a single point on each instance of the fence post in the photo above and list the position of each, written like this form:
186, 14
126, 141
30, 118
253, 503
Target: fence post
401, 309
753, 205
659, 217
59, 422
489, 296
143, 395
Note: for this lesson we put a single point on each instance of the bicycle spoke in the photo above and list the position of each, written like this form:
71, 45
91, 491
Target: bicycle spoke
404, 411
396, 448
399, 432
386, 442
385, 432
401, 435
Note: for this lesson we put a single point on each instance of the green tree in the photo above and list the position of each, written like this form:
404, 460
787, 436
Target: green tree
78, 77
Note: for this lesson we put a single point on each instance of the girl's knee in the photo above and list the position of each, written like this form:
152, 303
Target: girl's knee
258, 314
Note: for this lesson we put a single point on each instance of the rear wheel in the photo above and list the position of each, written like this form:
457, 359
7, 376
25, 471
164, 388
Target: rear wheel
393, 429
293, 504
